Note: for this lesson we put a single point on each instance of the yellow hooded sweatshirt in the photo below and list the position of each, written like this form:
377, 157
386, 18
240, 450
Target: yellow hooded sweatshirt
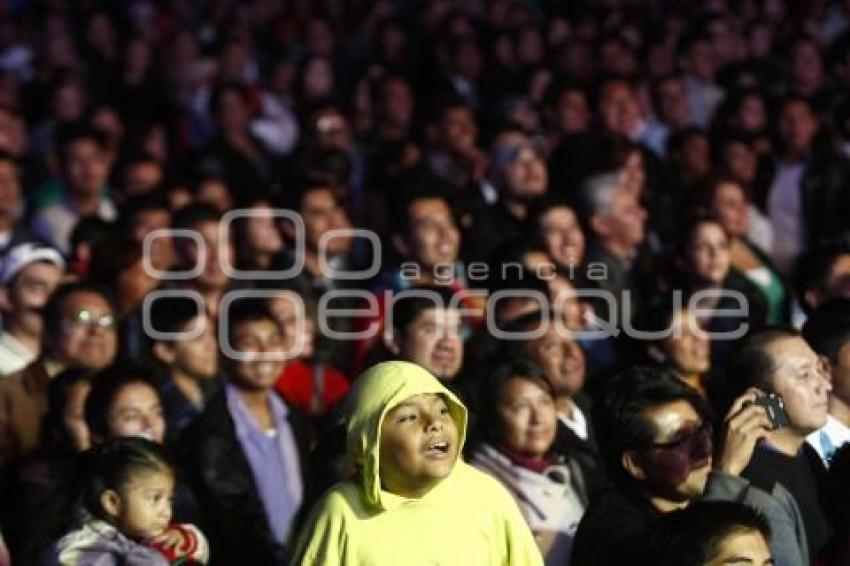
468, 519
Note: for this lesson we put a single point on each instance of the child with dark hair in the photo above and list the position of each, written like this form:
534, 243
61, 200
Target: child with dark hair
710, 532
413, 495
124, 504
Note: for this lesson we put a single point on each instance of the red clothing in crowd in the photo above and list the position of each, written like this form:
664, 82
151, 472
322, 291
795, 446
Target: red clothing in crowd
296, 385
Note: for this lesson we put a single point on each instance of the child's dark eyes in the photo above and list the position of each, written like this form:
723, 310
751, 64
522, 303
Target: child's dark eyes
407, 418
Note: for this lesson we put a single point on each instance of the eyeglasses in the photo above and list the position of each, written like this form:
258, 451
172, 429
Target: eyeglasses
695, 442
85, 318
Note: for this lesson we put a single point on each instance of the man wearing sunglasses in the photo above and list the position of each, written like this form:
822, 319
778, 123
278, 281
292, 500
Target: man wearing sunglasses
79, 333
655, 436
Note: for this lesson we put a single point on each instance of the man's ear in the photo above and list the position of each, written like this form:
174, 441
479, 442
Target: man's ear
632, 464
390, 340
111, 502
163, 352
400, 245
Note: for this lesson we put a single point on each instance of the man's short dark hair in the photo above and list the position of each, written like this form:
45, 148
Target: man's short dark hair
244, 311
827, 330
750, 365
693, 536
619, 418
421, 189
191, 215
408, 308
812, 269
171, 314
77, 131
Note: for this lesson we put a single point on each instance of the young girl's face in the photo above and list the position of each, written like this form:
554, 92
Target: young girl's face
141, 509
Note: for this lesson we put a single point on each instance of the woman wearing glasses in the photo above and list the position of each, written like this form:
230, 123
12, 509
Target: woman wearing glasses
655, 436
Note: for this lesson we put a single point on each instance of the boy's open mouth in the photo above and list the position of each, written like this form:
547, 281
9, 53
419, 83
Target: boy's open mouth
437, 449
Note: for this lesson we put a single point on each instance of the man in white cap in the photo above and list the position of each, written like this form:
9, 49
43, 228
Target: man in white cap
28, 275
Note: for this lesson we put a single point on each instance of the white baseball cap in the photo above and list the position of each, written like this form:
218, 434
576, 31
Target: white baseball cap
22, 255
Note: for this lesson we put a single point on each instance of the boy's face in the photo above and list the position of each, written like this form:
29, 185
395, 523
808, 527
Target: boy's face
263, 343
144, 510
196, 357
419, 445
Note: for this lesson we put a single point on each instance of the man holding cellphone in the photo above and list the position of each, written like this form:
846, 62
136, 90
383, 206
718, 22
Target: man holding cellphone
779, 361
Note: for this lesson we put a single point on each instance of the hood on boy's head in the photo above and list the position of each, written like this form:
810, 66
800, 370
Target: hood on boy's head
375, 393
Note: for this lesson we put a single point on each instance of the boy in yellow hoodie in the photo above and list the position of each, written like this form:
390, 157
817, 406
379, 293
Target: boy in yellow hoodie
414, 501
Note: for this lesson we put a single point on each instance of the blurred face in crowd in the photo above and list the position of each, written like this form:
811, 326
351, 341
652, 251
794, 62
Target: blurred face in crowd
318, 78
232, 113
751, 114
332, 130
623, 223
433, 236
677, 465
195, 357
740, 161
732, 207
686, 349
564, 300
142, 177
215, 192
572, 112
742, 547
398, 102
88, 336
213, 275
835, 285
619, 109
299, 331
85, 167
802, 381
162, 247
263, 235
524, 172
262, 343
562, 236
672, 102
433, 340
137, 411
561, 359
322, 212
708, 253
806, 67
132, 284
457, 130
528, 418
27, 293
11, 206
419, 445
694, 157
797, 127
701, 60
13, 133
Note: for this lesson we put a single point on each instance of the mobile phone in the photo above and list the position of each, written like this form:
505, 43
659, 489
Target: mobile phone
775, 409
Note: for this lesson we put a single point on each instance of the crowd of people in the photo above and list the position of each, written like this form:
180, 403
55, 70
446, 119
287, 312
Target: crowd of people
425, 281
